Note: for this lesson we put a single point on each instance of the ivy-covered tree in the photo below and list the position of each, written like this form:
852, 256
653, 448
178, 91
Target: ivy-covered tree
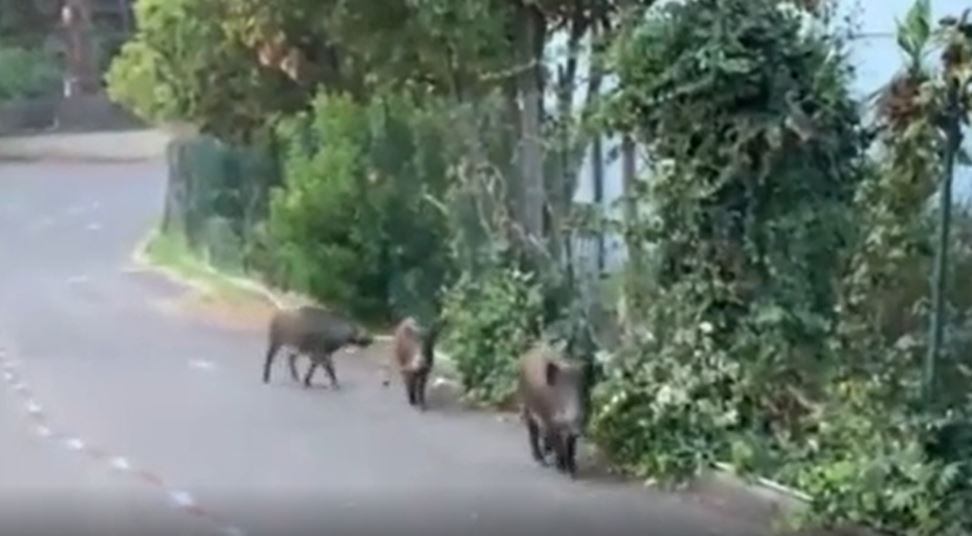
744, 109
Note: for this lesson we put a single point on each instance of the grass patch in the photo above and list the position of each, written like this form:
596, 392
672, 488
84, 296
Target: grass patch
172, 253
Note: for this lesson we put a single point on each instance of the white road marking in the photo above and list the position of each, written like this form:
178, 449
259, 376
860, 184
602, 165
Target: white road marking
33, 407
182, 499
94, 227
202, 364
78, 279
121, 464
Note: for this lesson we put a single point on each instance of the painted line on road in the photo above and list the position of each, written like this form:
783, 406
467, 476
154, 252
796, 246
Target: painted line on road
202, 364
181, 499
121, 464
78, 279
94, 227
33, 407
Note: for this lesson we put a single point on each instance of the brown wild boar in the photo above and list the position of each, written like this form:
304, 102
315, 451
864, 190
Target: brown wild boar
551, 392
413, 354
313, 331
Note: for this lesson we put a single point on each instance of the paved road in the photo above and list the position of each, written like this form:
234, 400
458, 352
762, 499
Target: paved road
120, 416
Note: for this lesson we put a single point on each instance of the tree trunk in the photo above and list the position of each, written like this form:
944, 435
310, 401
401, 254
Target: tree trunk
82, 70
533, 201
597, 175
634, 294
563, 181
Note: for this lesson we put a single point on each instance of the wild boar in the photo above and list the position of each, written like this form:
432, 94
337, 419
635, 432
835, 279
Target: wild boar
413, 354
313, 331
553, 407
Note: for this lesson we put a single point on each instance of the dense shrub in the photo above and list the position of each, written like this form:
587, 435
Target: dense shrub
493, 317
786, 325
356, 224
28, 73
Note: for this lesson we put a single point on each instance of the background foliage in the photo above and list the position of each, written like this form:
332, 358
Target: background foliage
754, 135
28, 73
356, 223
424, 153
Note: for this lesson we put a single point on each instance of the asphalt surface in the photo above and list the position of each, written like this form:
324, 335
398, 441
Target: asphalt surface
119, 415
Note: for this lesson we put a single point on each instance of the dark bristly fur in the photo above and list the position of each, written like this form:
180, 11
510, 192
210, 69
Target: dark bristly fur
413, 354
551, 392
315, 332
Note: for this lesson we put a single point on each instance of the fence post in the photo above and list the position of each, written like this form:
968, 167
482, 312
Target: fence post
953, 132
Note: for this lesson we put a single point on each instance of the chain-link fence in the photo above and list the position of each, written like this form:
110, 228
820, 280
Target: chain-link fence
217, 197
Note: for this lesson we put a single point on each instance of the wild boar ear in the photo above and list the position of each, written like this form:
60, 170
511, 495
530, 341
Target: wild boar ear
552, 372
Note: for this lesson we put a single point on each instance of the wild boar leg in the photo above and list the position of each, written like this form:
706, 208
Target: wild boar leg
328, 363
271, 353
292, 359
533, 431
310, 371
571, 454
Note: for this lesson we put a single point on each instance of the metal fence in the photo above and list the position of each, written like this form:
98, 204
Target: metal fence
217, 195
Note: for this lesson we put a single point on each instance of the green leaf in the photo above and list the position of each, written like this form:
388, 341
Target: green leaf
914, 34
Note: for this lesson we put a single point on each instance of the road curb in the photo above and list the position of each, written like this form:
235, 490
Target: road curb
101, 147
